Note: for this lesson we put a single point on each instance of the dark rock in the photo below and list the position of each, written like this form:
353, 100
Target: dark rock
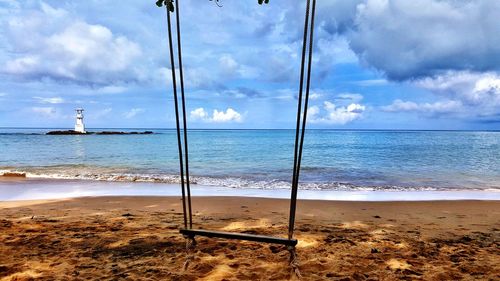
68, 132
71, 132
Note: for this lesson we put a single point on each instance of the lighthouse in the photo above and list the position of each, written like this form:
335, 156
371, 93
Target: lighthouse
79, 127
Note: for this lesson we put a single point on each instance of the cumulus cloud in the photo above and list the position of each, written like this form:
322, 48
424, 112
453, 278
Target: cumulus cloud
333, 114
133, 113
463, 94
469, 87
50, 43
230, 115
415, 39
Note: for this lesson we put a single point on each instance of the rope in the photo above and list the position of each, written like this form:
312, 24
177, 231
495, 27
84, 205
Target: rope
300, 130
294, 262
293, 201
304, 120
179, 142
181, 76
190, 247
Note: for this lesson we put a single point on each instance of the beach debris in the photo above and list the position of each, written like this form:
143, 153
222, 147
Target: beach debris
127, 215
377, 217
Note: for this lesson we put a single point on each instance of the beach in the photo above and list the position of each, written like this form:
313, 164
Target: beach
373, 205
137, 238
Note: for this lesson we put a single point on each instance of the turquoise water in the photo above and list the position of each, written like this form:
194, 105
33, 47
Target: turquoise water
333, 160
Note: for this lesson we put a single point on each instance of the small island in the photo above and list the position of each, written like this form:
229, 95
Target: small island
80, 129
72, 132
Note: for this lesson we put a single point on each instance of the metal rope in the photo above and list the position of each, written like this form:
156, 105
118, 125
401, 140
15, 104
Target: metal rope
179, 142
293, 201
181, 76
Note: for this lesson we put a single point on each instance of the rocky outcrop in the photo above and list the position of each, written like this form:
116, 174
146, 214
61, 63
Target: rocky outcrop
71, 132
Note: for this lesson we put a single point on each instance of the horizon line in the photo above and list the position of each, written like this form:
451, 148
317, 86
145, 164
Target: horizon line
267, 129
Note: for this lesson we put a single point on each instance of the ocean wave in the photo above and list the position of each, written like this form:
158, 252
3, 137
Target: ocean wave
227, 181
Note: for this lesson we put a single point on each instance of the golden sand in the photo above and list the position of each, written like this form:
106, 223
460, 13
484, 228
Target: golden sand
136, 238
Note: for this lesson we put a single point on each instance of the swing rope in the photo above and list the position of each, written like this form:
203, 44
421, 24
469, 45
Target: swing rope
176, 104
185, 183
299, 144
181, 74
299, 134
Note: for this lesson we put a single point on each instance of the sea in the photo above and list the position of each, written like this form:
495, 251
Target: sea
336, 160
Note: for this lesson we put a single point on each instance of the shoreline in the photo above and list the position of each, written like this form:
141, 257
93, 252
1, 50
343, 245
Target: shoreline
133, 237
12, 189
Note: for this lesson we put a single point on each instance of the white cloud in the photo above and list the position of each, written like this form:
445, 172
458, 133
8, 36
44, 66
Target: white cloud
230, 115
3, 94
53, 100
51, 43
133, 112
429, 108
333, 114
463, 94
478, 93
315, 96
469, 87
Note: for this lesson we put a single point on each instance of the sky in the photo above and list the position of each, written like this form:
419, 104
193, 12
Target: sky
377, 64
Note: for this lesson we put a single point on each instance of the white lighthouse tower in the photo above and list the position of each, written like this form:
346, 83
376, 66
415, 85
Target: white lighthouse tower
79, 127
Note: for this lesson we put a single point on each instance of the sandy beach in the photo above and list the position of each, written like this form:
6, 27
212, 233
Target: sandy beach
136, 238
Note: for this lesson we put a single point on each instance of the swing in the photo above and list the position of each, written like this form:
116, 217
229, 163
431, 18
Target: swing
188, 231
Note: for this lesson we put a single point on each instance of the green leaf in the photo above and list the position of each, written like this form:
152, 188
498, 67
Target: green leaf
170, 5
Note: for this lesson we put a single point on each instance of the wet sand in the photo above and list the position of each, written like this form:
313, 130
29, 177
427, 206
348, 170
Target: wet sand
136, 238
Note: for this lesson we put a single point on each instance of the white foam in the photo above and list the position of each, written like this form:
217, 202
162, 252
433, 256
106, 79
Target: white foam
58, 189
100, 174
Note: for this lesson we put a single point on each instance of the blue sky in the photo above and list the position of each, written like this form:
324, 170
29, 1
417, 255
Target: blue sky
378, 64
